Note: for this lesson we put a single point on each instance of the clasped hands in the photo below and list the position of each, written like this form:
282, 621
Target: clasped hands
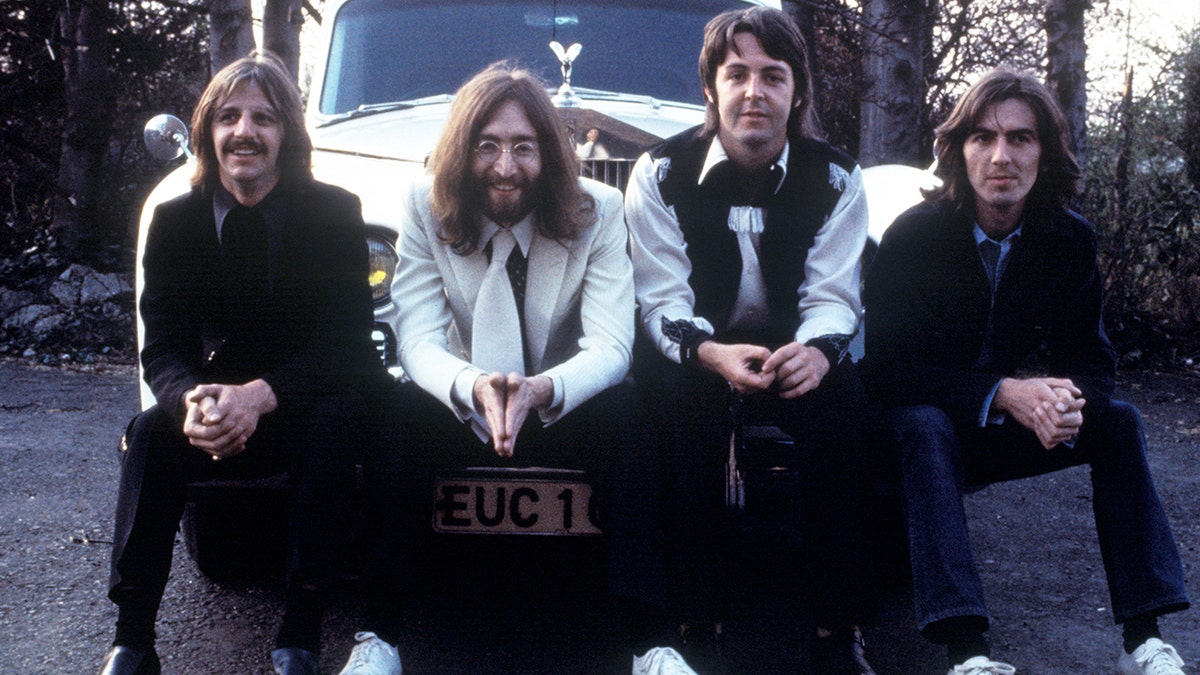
220, 418
505, 401
794, 369
1050, 407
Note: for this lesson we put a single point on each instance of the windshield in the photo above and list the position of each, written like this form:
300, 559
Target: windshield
399, 50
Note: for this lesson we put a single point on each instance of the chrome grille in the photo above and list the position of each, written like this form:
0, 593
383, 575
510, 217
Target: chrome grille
614, 172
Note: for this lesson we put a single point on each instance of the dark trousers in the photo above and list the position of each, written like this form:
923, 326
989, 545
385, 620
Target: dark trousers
940, 460
834, 453
314, 445
603, 436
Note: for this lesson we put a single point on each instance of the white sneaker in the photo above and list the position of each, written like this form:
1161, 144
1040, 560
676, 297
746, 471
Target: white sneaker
982, 665
661, 661
1153, 657
372, 656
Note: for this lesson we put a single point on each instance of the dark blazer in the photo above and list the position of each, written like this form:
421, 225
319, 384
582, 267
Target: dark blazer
315, 334
927, 301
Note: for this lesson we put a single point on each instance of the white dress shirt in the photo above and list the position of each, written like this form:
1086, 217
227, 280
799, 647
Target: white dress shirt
828, 298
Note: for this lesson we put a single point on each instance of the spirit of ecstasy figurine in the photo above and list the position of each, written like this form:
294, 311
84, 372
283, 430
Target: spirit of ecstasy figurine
566, 98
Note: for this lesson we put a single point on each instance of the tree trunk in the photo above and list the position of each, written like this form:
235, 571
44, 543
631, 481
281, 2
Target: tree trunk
282, 20
1121, 170
87, 126
893, 82
1189, 139
230, 33
1066, 74
803, 13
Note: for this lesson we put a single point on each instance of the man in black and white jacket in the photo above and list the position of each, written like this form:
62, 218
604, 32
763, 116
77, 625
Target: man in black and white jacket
747, 236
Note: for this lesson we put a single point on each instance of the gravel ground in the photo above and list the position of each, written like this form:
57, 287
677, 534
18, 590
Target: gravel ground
58, 435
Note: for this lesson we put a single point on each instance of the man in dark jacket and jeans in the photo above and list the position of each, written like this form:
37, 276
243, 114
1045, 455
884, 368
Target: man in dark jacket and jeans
985, 339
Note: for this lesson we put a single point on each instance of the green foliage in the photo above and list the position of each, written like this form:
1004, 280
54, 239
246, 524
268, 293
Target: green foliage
838, 77
1148, 224
1148, 221
965, 39
969, 38
1190, 137
30, 88
159, 63
160, 60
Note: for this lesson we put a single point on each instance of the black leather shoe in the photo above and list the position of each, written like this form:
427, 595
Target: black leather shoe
294, 661
703, 647
130, 661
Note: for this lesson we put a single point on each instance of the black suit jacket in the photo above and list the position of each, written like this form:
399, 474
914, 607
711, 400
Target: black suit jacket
314, 336
927, 301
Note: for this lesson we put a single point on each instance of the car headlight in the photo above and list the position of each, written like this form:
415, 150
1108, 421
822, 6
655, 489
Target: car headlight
383, 258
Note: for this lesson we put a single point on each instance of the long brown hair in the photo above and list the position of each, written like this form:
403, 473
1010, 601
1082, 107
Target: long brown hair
782, 40
561, 206
267, 71
1058, 172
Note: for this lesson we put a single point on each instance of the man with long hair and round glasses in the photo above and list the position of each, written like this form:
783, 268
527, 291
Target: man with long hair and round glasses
514, 319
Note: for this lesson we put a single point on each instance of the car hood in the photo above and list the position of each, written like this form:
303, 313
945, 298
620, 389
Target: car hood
409, 135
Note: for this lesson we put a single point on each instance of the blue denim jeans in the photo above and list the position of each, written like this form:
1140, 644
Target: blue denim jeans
940, 460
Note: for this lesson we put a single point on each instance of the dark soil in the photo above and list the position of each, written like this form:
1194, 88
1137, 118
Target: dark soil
1035, 541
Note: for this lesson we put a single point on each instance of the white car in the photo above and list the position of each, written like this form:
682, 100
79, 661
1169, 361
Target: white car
624, 75
387, 70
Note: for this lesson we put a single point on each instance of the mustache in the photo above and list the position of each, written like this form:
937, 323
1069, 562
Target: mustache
480, 184
234, 146
519, 179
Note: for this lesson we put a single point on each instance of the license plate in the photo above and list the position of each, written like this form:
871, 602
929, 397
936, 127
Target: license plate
515, 501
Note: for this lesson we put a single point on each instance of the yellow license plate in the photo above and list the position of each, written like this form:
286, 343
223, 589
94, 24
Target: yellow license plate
560, 504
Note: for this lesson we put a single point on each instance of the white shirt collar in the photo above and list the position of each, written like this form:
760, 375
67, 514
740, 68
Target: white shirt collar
716, 155
522, 232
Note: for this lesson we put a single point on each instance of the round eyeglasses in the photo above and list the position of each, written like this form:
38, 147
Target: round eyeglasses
489, 152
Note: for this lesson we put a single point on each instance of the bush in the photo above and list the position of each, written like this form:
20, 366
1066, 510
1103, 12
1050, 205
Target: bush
1146, 210
159, 63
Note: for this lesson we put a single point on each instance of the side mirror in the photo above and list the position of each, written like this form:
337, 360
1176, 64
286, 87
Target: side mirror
166, 137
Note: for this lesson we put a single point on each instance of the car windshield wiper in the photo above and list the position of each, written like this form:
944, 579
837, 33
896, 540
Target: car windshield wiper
603, 93
366, 110
619, 96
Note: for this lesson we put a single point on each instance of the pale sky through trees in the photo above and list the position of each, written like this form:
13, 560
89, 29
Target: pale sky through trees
1153, 23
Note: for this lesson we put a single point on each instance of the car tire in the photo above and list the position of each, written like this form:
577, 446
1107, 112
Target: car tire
236, 531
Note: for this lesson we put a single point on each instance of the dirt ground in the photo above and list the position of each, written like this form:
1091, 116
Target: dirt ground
58, 432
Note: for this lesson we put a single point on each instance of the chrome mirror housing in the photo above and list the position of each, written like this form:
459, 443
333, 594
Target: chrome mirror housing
166, 137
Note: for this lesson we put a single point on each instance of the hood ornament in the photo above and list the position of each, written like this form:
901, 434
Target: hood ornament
566, 98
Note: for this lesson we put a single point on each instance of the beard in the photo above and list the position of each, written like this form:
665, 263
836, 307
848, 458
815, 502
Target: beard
504, 208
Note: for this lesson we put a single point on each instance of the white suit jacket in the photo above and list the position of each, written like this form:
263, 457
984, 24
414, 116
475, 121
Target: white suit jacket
579, 302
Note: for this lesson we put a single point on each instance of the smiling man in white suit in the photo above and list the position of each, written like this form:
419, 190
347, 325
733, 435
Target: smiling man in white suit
515, 323
502, 173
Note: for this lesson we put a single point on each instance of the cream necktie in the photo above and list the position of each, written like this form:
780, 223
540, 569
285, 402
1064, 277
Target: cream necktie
496, 328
